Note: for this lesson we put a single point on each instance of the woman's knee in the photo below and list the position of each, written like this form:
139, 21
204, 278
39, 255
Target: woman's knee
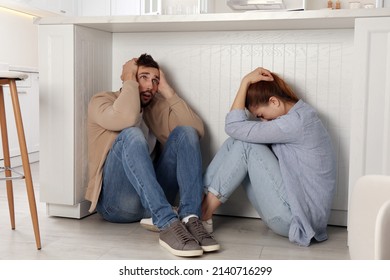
239, 146
256, 147
279, 225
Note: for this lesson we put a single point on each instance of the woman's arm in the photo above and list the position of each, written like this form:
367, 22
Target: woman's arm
286, 129
257, 75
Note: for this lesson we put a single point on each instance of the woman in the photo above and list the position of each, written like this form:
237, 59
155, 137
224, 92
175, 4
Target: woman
284, 160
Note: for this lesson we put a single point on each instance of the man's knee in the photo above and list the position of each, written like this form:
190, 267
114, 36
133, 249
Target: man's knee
133, 134
186, 132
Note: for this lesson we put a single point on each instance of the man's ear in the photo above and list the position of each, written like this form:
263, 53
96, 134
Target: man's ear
274, 101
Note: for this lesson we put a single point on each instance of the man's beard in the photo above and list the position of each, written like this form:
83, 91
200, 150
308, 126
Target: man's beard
145, 104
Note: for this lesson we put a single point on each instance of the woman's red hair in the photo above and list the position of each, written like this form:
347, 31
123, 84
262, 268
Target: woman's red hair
259, 93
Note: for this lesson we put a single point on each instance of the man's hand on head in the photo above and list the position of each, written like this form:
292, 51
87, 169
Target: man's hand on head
164, 88
129, 70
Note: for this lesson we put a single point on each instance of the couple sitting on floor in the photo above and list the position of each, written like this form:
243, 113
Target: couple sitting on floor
144, 150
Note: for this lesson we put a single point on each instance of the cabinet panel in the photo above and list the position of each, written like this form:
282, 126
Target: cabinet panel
56, 100
370, 127
62, 7
316, 63
124, 7
93, 50
69, 58
42, 8
67, 7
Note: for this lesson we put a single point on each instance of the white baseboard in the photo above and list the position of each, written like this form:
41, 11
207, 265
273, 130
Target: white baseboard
77, 211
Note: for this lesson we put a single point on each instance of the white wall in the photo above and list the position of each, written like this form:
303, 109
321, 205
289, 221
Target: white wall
19, 39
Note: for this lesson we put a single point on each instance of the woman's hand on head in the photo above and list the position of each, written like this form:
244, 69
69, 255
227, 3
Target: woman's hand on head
257, 75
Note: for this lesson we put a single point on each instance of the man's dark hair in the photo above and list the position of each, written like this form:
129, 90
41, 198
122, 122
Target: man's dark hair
147, 60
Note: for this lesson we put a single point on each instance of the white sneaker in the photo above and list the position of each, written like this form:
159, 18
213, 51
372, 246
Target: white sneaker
208, 225
147, 223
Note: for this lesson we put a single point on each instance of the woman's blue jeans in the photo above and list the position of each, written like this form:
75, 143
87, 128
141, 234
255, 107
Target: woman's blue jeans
134, 188
256, 168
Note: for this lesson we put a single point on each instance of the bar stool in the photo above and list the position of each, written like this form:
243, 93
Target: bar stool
10, 78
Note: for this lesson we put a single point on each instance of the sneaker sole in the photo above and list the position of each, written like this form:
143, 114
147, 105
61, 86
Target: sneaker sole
181, 253
150, 227
211, 248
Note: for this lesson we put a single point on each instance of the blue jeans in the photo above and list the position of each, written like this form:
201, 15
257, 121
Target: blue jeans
256, 168
134, 188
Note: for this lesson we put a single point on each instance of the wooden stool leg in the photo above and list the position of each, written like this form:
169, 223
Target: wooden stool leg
25, 161
7, 160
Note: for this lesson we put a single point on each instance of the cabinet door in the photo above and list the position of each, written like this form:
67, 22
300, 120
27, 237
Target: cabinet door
125, 7
62, 7
151, 7
370, 117
67, 7
56, 110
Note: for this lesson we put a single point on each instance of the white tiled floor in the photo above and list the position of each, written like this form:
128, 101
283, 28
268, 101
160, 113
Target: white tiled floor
93, 238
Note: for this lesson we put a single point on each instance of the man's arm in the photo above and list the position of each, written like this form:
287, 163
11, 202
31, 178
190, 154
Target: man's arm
118, 111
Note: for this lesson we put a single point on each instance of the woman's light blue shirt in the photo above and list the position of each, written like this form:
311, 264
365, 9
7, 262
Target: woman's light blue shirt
307, 163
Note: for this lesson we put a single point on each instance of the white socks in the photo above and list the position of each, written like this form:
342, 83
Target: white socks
185, 219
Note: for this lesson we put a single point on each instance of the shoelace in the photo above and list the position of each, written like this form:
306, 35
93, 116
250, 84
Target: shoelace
199, 229
182, 233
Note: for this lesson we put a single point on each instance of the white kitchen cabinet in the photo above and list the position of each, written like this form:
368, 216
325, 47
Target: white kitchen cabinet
185, 7
42, 8
28, 93
204, 57
75, 63
124, 7
116, 7
94, 8
61, 7
370, 119
151, 7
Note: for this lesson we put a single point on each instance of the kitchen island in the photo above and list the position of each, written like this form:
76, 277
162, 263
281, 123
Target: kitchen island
204, 57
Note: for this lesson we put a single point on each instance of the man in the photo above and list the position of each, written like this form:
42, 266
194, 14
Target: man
144, 149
